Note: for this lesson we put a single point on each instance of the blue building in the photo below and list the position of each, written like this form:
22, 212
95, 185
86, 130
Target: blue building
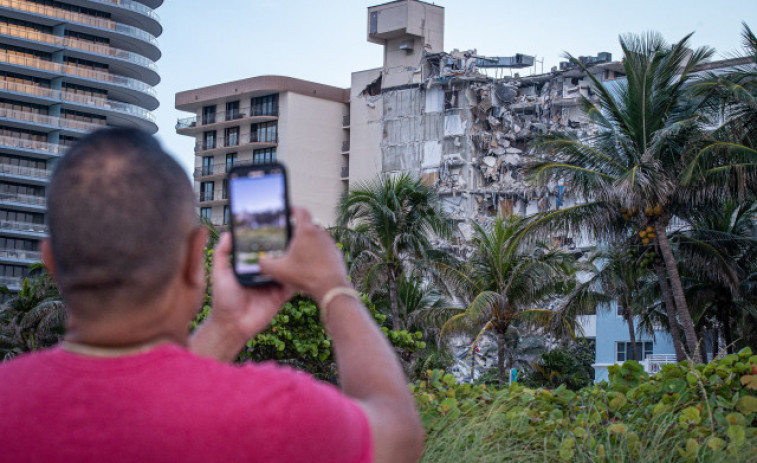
613, 343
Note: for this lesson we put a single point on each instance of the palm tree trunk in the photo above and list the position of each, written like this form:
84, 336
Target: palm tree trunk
670, 311
501, 357
703, 348
677, 290
392, 279
725, 324
631, 332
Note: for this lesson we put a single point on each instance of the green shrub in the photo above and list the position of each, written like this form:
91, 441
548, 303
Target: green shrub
705, 413
563, 365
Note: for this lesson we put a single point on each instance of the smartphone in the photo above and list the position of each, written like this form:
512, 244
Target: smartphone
260, 225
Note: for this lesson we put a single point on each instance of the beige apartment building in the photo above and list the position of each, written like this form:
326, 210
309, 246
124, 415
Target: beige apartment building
304, 125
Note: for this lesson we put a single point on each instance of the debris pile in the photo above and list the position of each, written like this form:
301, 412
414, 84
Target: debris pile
468, 134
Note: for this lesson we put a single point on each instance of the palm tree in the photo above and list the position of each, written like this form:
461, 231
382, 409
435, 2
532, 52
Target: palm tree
32, 318
621, 274
719, 249
730, 100
506, 282
631, 173
387, 226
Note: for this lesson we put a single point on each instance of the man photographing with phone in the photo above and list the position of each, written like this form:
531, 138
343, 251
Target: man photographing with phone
129, 384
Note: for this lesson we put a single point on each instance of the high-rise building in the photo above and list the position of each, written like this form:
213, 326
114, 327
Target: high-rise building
303, 124
67, 67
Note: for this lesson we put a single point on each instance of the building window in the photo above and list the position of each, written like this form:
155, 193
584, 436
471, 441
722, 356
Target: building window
206, 191
264, 156
619, 310
13, 271
451, 99
205, 213
208, 114
623, 350
231, 161
232, 110
225, 189
265, 105
266, 132
226, 215
209, 140
207, 165
231, 136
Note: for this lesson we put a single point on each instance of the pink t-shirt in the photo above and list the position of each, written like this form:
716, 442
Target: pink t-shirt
171, 405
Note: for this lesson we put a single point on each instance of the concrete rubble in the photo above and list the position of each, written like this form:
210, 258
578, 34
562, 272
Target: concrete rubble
468, 134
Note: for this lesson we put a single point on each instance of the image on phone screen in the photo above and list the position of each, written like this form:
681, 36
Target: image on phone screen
259, 215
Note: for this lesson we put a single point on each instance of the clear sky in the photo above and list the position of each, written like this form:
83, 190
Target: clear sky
258, 194
210, 42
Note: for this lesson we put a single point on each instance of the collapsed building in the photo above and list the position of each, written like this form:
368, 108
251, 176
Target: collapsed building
441, 116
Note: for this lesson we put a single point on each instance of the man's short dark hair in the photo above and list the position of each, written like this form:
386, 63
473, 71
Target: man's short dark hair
120, 210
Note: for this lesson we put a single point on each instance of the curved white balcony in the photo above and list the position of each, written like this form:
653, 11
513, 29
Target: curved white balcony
20, 254
11, 282
86, 20
24, 172
51, 149
133, 6
149, 71
36, 229
143, 118
49, 121
25, 200
143, 92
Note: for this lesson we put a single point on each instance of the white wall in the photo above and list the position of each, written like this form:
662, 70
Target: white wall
310, 144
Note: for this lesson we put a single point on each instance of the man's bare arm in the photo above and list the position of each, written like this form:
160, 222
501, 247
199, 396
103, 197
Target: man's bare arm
238, 313
369, 370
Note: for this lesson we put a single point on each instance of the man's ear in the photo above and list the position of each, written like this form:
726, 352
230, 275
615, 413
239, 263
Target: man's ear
47, 256
194, 271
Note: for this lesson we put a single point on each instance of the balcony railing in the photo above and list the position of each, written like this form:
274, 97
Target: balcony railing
206, 145
191, 121
24, 171
67, 42
255, 138
254, 112
48, 120
80, 18
653, 363
345, 146
11, 281
202, 146
23, 226
77, 98
22, 199
234, 115
67, 69
345, 171
133, 6
186, 122
217, 170
20, 143
205, 196
20, 254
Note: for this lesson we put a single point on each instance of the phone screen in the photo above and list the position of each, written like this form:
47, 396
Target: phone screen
258, 209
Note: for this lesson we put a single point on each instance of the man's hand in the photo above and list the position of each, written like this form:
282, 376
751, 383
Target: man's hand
238, 313
312, 264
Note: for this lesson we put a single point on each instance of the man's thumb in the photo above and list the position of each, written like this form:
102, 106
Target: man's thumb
270, 267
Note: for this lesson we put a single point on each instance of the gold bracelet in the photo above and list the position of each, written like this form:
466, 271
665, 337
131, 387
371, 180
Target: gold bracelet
335, 292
